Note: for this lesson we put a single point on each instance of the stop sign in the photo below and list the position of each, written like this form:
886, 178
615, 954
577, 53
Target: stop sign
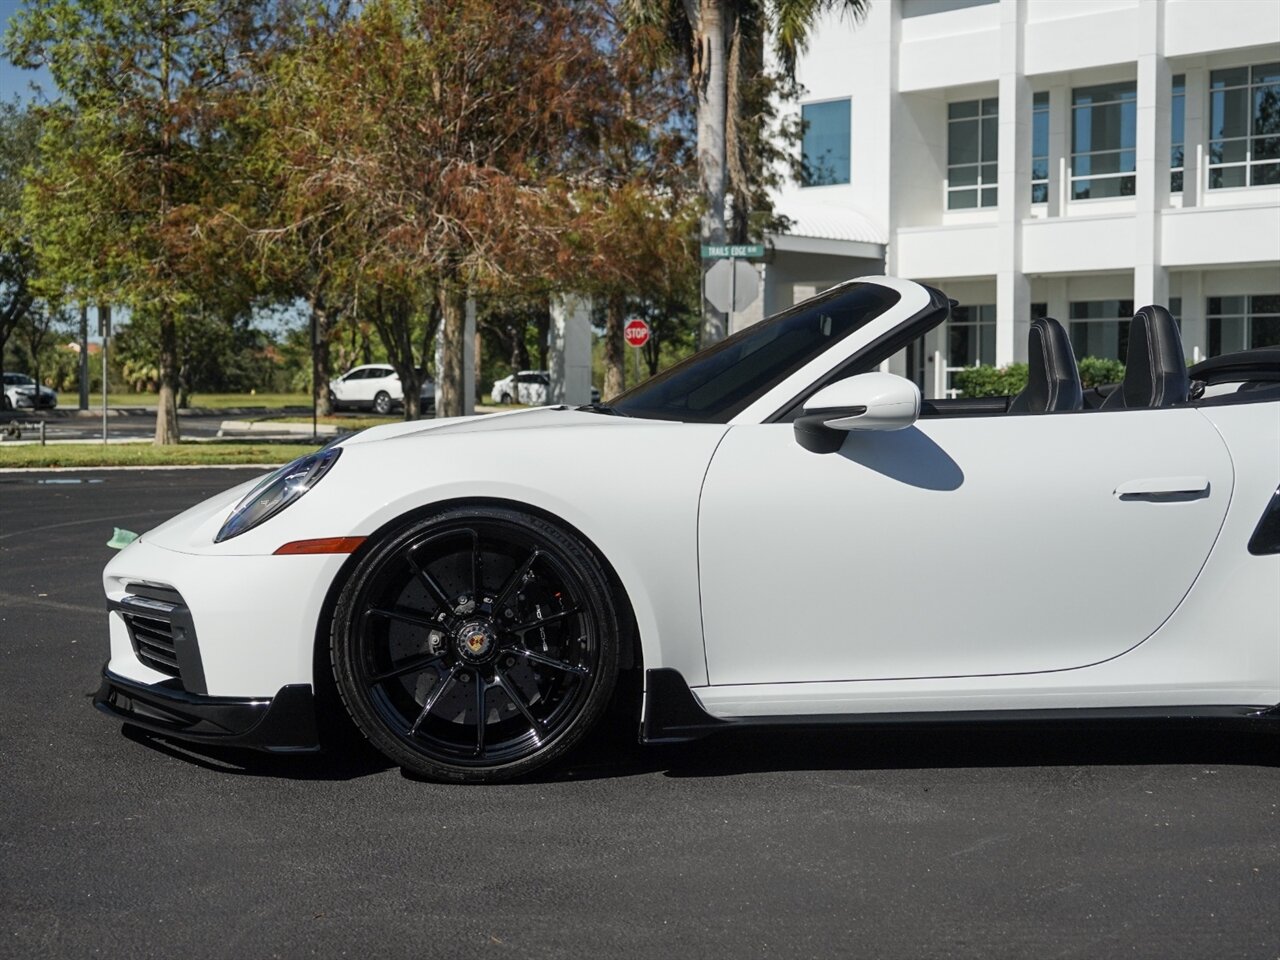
636, 333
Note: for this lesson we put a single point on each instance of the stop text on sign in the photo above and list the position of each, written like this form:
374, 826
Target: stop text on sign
636, 333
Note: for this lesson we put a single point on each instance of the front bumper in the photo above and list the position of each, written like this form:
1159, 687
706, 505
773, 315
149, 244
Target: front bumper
285, 723
32, 402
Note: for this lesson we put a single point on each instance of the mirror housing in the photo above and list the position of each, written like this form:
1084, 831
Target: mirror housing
868, 401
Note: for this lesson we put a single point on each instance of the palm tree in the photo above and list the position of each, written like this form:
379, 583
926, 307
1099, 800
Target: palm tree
722, 43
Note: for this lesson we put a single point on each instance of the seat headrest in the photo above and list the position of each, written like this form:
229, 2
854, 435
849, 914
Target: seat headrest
1053, 381
1155, 373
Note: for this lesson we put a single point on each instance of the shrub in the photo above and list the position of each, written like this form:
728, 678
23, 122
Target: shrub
984, 381
1095, 371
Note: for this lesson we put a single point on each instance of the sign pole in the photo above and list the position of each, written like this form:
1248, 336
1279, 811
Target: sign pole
702, 303
104, 328
315, 380
713, 287
636, 333
733, 294
84, 356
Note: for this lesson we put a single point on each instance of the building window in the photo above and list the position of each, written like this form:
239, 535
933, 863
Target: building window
1244, 126
1100, 328
972, 129
1040, 148
826, 143
1178, 131
971, 336
1103, 137
1243, 322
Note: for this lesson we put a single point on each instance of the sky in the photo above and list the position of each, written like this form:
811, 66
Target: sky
13, 81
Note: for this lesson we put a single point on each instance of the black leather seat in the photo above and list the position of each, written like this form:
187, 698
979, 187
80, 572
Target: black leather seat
1053, 381
1155, 372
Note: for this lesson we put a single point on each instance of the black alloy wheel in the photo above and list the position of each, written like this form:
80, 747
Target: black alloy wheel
476, 645
382, 402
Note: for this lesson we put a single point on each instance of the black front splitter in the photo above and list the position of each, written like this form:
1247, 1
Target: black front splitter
285, 723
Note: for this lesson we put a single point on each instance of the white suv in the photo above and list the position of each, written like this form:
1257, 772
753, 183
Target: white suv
375, 386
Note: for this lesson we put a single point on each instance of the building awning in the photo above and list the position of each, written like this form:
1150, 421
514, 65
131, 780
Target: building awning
829, 229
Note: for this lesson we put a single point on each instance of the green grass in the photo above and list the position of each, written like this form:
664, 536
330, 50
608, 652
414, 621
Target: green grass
34, 456
211, 401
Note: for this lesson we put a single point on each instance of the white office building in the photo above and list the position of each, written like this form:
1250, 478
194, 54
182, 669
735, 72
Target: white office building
1075, 158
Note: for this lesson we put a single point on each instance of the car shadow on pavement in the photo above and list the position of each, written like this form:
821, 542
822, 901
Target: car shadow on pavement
778, 749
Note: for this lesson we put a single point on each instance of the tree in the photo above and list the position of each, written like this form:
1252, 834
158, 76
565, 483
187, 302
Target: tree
449, 150
19, 132
722, 45
139, 155
36, 332
647, 202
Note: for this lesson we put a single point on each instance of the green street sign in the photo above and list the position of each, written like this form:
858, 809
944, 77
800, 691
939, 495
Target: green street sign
732, 251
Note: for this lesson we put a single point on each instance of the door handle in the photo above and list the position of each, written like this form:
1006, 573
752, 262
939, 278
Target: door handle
1164, 488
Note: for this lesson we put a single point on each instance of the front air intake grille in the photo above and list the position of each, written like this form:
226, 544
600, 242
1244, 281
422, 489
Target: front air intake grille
152, 635
162, 633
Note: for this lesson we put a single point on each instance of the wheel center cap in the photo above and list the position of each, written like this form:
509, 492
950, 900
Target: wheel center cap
476, 640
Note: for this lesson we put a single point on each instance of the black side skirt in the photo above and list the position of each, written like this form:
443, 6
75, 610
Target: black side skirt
285, 723
672, 714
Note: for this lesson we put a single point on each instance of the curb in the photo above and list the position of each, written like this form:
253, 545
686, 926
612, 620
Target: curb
275, 428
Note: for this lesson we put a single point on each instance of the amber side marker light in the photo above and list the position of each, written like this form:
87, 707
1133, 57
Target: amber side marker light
323, 545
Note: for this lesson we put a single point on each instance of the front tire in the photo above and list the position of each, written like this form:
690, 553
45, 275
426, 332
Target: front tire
476, 645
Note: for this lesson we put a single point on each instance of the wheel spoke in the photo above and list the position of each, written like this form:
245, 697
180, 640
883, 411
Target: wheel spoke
432, 585
432, 698
550, 661
543, 621
416, 665
482, 708
510, 690
404, 616
514, 582
475, 563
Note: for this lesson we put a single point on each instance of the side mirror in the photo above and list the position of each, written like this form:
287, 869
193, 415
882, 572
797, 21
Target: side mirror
869, 401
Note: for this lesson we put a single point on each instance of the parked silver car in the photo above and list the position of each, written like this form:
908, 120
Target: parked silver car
532, 387
22, 393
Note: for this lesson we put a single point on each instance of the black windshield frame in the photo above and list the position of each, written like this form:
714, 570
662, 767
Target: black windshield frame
718, 383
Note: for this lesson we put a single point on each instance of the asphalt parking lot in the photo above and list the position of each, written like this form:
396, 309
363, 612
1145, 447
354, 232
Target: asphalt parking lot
1123, 842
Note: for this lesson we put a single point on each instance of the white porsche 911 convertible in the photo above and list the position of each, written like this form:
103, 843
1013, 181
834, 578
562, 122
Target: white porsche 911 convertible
773, 531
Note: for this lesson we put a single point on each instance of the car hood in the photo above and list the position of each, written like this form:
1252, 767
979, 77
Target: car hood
534, 418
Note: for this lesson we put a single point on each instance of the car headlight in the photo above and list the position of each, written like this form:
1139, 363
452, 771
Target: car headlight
278, 490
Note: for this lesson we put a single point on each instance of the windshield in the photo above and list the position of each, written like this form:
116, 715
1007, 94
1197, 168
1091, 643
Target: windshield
18, 379
718, 383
